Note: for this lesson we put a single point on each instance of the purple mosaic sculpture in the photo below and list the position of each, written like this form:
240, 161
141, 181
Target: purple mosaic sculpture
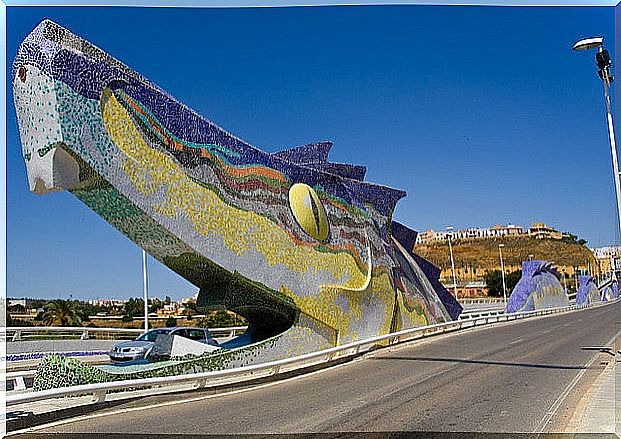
538, 288
588, 293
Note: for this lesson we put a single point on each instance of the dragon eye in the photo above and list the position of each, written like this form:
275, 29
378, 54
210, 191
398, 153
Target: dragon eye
308, 211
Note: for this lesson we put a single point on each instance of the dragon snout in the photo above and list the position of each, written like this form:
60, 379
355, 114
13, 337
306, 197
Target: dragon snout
55, 171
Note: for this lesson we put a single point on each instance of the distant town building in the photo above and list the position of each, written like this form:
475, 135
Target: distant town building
538, 230
606, 257
541, 231
469, 290
14, 302
107, 302
607, 252
508, 230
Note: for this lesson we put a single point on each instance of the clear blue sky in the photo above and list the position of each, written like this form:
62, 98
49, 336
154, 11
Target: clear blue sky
482, 114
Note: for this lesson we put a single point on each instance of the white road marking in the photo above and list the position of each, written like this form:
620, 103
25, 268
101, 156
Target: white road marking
554, 407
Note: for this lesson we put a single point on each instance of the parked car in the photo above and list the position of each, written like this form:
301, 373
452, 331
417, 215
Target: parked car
140, 348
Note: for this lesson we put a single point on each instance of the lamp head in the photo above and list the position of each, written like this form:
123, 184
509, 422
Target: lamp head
589, 43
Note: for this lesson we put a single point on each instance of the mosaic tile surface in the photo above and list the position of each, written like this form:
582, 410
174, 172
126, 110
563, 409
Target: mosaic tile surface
611, 292
588, 293
539, 288
301, 247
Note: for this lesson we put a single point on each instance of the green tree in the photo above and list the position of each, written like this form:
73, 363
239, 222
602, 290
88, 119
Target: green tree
85, 310
493, 279
512, 279
171, 322
17, 308
155, 304
133, 308
188, 313
61, 313
35, 303
10, 321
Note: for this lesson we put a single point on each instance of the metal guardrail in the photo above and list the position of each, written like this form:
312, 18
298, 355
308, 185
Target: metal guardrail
239, 375
22, 333
477, 300
19, 378
481, 313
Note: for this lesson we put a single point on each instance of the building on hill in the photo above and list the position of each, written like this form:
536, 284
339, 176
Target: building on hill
431, 236
496, 231
508, 230
540, 230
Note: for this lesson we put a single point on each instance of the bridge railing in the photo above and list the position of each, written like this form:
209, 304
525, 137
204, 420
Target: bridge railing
478, 300
23, 333
102, 391
481, 313
18, 379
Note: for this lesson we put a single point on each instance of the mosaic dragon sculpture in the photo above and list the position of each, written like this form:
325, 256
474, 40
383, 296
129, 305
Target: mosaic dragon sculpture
303, 248
610, 291
588, 293
538, 288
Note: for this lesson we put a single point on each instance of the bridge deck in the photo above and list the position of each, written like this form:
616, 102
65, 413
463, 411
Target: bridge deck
505, 378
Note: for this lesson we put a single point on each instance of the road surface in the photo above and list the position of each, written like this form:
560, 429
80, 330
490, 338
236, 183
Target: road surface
514, 377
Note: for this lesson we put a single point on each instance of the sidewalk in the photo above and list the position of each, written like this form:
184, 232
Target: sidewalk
602, 411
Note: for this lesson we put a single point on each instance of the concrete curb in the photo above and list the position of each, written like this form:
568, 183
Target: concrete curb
599, 409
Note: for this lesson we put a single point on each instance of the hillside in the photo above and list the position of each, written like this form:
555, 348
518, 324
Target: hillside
473, 258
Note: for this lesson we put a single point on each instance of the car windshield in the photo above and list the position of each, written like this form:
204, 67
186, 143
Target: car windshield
152, 335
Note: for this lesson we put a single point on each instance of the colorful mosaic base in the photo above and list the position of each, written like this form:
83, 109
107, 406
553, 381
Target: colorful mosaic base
60, 371
539, 288
588, 292
282, 239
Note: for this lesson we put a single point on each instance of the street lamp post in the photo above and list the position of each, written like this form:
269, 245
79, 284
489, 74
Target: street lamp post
450, 233
602, 57
502, 270
145, 289
576, 278
565, 280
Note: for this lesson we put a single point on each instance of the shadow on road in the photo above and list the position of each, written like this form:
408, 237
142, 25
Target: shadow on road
488, 362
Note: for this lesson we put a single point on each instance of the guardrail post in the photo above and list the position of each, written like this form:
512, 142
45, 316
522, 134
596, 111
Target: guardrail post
99, 396
17, 336
199, 383
20, 384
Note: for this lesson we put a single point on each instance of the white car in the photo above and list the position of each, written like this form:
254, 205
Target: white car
140, 348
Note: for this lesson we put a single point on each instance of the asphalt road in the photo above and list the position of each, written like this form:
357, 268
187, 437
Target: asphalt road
507, 378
